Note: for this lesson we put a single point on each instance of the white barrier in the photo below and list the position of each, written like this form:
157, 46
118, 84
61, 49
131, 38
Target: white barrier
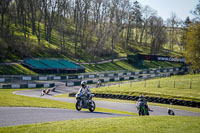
91, 76
42, 78
117, 79
47, 85
26, 78
15, 86
57, 78
70, 84
2, 79
31, 85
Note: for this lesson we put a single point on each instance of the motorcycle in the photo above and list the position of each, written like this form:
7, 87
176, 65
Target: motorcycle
45, 92
83, 102
142, 108
98, 84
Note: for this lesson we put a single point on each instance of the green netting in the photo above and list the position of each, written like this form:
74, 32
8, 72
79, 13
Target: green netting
52, 63
69, 64
36, 63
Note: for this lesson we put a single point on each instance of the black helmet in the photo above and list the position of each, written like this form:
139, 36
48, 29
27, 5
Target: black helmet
141, 96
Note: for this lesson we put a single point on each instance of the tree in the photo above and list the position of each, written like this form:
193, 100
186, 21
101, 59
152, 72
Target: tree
147, 13
157, 34
196, 12
3, 9
172, 25
192, 41
64, 6
50, 13
187, 22
136, 11
114, 29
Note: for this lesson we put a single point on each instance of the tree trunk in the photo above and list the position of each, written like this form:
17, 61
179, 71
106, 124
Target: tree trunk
112, 49
141, 36
2, 23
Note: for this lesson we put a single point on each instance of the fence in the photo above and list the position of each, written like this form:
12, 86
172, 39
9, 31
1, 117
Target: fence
160, 82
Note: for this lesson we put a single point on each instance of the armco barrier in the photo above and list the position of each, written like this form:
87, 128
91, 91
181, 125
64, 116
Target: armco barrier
114, 79
4, 79
150, 99
32, 85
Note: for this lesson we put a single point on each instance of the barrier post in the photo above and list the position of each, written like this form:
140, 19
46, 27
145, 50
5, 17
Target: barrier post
174, 83
159, 84
145, 83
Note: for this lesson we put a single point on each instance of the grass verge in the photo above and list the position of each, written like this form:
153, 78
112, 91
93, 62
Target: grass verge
15, 70
181, 87
8, 99
150, 124
124, 65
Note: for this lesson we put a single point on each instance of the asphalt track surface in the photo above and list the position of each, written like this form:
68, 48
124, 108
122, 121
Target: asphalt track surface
10, 116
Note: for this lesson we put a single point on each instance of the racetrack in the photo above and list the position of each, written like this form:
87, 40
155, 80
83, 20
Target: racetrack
10, 116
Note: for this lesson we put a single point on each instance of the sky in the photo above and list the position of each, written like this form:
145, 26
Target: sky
165, 8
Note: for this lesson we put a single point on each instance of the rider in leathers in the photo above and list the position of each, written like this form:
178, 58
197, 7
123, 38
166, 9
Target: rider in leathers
142, 99
84, 91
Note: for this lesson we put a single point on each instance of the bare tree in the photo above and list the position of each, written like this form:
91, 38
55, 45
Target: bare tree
172, 25
196, 12
114, 29
50, 13
137, 20
157, 34
147, 13
4, 4
22, 14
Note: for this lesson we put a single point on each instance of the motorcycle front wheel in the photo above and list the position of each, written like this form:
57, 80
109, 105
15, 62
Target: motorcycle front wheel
141, 111
78, 105
92, 106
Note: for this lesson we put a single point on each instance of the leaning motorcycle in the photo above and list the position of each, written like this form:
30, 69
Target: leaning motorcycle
142, 108
86, 103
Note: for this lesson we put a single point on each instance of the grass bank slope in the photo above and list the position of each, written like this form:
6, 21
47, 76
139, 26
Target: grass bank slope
150, 124
184, 87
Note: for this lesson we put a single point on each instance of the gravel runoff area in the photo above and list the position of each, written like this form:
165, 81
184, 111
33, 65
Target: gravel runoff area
10, 116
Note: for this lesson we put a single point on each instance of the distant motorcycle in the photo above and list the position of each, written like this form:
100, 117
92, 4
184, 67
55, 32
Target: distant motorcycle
98, 84
142, 108
83, 102
45, 92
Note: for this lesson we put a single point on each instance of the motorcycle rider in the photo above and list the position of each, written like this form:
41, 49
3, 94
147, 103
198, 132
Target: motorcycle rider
98, 83
84, 91
143, 100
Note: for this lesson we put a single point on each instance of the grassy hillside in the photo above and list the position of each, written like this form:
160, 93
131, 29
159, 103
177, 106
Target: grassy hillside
18, 46
124, 65
115, 66
15, 70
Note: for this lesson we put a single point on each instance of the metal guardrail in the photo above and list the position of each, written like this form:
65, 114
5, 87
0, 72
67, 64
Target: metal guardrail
20, 78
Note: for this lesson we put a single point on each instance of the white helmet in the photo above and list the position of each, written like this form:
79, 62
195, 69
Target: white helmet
83, 83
